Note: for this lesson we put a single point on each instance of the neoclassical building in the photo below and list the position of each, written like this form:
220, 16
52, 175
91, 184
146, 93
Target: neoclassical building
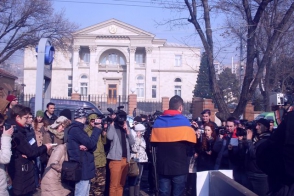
114, 58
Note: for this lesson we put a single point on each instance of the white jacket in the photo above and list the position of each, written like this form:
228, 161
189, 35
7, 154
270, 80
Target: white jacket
5, 155
139, 150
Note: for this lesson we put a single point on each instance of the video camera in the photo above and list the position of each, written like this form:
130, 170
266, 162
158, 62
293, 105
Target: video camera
222, 130
241, 132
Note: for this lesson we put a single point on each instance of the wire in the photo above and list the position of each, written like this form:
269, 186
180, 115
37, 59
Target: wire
119, 4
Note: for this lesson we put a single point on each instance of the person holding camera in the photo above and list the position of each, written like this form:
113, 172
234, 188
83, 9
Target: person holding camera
258, 180
80, 148
97, 187
21, 167
5, 155
221, 146
121, 139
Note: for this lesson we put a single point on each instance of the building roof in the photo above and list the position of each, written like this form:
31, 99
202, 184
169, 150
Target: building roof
7, 74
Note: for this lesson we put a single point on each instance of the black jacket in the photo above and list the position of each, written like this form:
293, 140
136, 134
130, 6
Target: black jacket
21, 170
51, 119
76, 137
172, 158
205, 161
251, 164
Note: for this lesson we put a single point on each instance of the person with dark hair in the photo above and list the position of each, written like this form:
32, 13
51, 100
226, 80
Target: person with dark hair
223, 143
119, 154
49, 113
172, 135
258, 180
21, 168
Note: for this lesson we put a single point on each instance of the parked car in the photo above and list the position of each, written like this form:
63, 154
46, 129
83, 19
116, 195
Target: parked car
268, 116
72, 105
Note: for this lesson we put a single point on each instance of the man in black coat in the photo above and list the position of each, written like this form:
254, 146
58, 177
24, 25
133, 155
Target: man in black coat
80, 148
49, 113
21, 167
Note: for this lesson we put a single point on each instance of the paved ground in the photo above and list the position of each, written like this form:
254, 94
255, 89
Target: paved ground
144, 186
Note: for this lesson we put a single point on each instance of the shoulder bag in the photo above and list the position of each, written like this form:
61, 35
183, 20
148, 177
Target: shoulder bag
133, 168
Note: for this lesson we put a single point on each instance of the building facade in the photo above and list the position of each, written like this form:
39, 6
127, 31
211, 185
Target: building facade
114, 58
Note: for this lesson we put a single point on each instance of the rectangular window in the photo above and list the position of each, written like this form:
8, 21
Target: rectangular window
153, 91
86, 57
154, 79
69, 90
139, 58
178, 60
178, 90
140, 89
84, 89
69, 77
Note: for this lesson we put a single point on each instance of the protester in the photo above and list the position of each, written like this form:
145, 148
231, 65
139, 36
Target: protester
119, 154
258, 180
80, 148
5, 155
206, 156
140, 156
13, 101
55, 132
97, 187
21, 167
172, 135
51, 182
49, 113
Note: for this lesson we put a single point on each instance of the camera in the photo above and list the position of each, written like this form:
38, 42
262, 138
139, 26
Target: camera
222, 130
7, 126
241, 132
277, 99
250, 125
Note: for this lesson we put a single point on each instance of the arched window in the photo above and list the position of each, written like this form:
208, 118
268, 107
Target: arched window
140, 86
178, 80
84, 77
112, 58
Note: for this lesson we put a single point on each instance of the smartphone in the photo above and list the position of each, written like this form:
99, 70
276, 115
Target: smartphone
55, 144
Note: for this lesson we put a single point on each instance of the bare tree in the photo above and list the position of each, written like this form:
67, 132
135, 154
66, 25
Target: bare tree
252, 11
24, 22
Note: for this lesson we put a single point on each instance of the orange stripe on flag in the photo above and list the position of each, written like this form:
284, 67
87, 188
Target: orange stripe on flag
173, 134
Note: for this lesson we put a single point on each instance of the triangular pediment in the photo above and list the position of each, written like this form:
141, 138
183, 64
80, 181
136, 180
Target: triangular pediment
113, 27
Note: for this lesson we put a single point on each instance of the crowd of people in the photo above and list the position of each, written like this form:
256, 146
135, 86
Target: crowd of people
174, 149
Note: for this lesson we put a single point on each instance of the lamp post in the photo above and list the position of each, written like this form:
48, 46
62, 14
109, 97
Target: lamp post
22, 95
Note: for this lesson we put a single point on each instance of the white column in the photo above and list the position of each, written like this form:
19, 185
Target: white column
148, 75
75, 68
131, 70
93, 76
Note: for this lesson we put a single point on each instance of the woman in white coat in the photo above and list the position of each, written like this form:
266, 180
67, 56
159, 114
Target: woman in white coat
5, 154
139, 154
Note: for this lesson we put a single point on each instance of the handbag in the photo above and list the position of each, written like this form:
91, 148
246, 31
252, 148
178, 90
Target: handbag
133, 168
71, 171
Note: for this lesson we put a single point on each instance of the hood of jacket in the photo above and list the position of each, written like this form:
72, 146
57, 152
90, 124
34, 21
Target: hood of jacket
3, 105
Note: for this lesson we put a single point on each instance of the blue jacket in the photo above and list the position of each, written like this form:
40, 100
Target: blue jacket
76, 137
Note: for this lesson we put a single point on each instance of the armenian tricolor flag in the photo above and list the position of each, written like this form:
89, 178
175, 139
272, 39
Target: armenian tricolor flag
172, 128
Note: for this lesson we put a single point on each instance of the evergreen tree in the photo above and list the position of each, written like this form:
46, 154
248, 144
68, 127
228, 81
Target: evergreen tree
229, 85
202, 87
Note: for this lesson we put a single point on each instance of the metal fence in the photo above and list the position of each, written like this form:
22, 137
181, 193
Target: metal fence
100, 101
148, 107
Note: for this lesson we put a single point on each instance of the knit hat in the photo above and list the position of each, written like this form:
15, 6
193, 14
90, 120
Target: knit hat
92, 117
139, 127
264, 122
66, 113
40, 113
79, 113
10, 98
58, 121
